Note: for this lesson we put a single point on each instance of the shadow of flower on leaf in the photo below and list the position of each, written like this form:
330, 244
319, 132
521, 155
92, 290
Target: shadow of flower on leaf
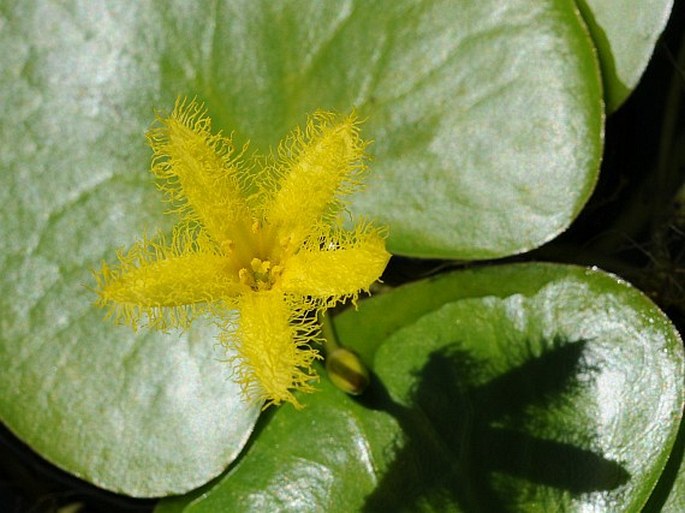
469, 442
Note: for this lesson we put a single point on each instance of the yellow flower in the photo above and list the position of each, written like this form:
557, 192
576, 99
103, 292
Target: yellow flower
262, 236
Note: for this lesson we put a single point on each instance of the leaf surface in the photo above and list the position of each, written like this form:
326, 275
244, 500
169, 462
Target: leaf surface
565, 395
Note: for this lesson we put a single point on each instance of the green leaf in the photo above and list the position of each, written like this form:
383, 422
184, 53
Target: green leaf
486, 116
144, 415
538, 388
487, 121
625, 33
322, 458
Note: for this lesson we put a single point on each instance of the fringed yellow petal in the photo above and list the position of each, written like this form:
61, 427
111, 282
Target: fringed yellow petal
340, 265
258, 236
318, 167
167, 284
198, 170
272, 343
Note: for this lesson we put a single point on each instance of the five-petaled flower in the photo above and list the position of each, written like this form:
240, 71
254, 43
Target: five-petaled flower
260, 235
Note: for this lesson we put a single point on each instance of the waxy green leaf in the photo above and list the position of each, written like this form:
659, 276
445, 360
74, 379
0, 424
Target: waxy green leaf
538, 388
487, 116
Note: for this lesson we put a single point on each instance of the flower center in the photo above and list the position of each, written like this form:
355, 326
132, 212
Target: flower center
260, 275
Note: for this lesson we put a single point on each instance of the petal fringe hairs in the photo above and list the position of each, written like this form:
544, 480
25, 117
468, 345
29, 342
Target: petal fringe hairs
262, 235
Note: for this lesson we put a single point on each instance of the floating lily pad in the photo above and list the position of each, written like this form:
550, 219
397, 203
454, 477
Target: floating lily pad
564, 396
487, 116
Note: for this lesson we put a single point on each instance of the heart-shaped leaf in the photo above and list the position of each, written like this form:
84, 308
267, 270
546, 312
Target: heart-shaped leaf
565, 396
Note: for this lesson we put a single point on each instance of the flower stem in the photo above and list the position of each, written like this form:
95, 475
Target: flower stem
330, 339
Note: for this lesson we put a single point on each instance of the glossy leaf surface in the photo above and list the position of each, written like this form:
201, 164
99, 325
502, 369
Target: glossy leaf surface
565, 395
487, 117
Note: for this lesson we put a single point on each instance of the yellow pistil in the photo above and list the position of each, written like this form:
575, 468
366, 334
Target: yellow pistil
262, 237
